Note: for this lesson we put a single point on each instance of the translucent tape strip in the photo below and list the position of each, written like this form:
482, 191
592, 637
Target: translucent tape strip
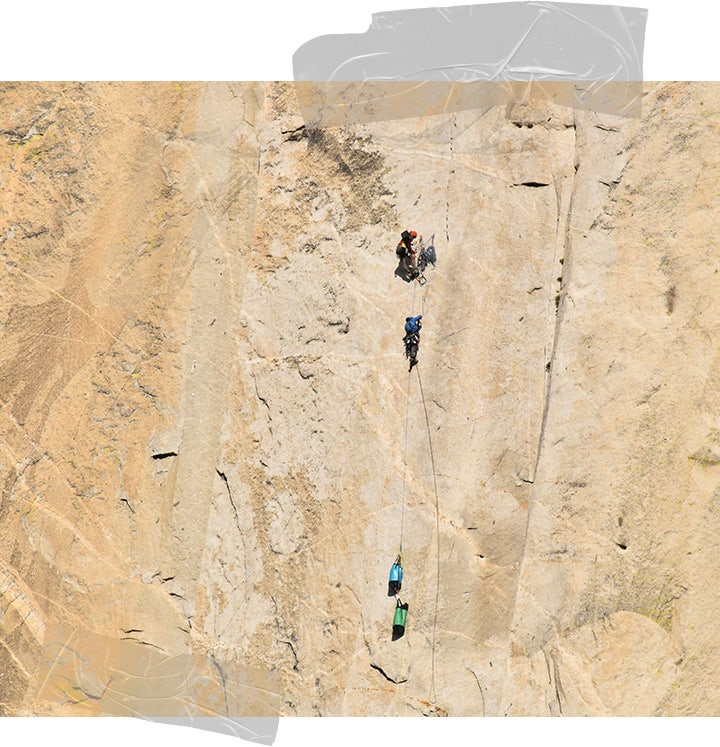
416, 62
84, 673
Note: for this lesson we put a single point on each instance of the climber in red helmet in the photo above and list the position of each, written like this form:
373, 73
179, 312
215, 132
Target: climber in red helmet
407, 253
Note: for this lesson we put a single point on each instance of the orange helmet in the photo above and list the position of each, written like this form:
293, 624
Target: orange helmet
413, 234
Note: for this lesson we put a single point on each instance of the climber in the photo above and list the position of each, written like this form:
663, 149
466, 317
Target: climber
399, 620
413, 324
407, 238
412, 338
396, 574
406, 253
401, 253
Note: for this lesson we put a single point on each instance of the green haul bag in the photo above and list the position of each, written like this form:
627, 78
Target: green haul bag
399, 620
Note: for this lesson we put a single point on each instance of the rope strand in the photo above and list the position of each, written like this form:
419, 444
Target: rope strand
407, 416
432, 695
437, 529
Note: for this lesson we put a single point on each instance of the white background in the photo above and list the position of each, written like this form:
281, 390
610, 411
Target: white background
246, 40
213, 40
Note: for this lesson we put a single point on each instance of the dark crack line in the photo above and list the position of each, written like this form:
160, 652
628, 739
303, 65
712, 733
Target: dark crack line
559, 312
452, 334
547, 666
451, 171
482, 695
143, 643
297, 134
549, 367
224, 684
265, 402
223, 477
127, 503
294, 653
385, 674
558, 684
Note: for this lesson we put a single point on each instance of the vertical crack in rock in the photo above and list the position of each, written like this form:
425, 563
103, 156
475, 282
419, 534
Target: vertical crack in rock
451, 171
549, 367
294, 653
482, 694
566, 262
224, 683
265, 402
558, 684
223, 477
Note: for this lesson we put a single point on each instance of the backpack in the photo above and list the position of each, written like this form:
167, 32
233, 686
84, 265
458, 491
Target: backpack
401, 251
430, 256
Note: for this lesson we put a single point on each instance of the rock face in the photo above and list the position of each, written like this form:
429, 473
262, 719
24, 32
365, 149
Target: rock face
212, 448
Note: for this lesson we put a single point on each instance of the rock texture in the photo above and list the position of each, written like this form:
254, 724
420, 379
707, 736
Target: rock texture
211, 446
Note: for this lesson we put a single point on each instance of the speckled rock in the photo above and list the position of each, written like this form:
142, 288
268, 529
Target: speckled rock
212, 448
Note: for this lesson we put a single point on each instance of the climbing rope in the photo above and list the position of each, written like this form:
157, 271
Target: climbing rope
432, 695
437, 516
437, 530
407, 416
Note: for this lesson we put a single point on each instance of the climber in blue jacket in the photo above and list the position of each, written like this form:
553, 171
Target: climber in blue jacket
413, 324
412, 338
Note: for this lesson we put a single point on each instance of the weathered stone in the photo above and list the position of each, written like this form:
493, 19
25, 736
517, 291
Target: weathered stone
204, 401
